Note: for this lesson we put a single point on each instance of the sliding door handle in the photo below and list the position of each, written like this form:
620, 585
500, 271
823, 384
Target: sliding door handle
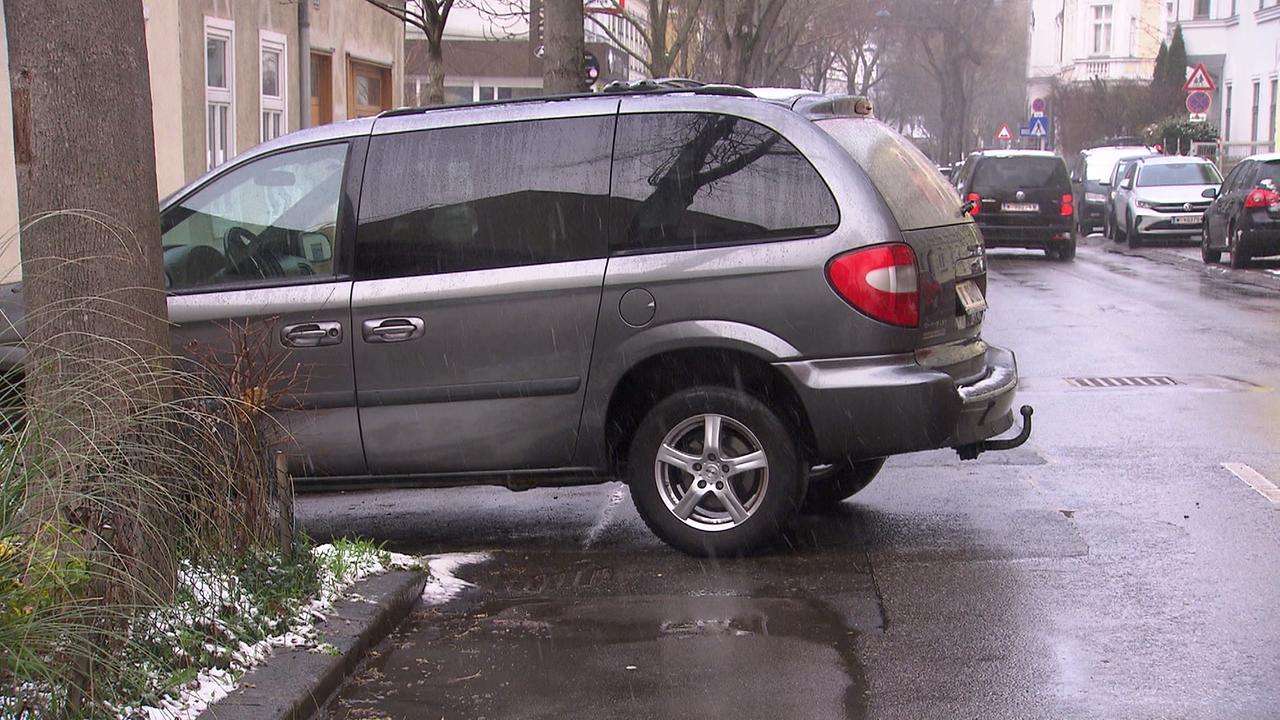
394, 329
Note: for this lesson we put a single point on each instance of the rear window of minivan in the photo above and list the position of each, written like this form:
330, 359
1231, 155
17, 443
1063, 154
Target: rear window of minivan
916, 193
1027, 172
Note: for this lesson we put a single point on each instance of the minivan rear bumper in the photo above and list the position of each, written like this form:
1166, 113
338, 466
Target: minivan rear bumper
872, 407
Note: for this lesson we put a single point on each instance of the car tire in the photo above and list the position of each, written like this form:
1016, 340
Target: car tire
679, 484
834, 484
1132, 236
1067, 250
1239, 258
1050, 252
1207, 254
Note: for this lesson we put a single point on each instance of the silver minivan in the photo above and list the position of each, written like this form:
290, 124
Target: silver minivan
737, 304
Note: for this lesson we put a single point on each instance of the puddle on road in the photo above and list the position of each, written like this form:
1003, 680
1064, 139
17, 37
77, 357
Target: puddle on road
635, 639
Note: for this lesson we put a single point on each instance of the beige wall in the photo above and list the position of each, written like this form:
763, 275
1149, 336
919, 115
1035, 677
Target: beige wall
249, 18
163, 59
9, 257
354, 29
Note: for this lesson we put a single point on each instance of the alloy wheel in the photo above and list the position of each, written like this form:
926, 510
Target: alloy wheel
712, 472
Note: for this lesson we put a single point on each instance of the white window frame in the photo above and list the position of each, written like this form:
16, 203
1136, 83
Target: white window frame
220, 28
1096, 24
269, 41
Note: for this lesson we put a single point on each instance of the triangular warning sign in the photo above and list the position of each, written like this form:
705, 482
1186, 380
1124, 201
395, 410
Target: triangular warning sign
1199, 80
1004, 133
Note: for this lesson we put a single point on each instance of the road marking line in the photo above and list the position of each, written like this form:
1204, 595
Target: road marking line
606, 516
1255, 480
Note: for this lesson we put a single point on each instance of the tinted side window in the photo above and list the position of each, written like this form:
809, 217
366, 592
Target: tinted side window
1232, 181
484, 196
692, 180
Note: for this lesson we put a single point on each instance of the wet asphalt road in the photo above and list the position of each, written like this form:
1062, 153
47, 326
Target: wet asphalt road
1110, 568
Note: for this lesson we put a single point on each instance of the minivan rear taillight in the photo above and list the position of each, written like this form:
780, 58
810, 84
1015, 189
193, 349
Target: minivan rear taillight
1067, 209
879, 281
976, 199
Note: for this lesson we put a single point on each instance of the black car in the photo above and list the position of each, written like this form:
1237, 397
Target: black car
1021, 199
1244, 219
1091, 183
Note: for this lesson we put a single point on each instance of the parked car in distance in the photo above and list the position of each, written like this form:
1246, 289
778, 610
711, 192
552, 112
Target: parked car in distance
1021, 199
1122, 166
1164, 197
1243, 218
1090, 182
580, 302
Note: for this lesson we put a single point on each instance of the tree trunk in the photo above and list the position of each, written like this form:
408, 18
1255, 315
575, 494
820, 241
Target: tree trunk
562, 67
435, 71
96, 322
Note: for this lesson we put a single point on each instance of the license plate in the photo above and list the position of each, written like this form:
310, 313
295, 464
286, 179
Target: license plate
1020, 207
1187, 220
971, 297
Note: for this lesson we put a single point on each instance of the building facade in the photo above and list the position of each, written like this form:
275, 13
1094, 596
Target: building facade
1238, 42
1078, 40
225, 77
490, 52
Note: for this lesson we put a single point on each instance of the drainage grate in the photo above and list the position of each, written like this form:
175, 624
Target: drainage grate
1120, 382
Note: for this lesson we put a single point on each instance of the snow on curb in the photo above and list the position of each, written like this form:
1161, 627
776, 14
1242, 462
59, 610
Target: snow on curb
214, 684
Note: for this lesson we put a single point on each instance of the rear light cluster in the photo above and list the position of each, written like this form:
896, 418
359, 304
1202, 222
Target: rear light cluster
1067, 206
976, 199
880, 281
1262, 198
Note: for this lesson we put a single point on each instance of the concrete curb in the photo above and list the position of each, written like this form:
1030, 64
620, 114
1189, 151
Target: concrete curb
292, 684
1166, 256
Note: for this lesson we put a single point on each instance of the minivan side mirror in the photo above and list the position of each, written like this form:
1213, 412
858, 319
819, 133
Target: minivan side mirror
316, 247
1209, 193
1126, 183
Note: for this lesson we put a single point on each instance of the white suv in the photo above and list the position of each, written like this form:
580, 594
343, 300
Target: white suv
1164, 197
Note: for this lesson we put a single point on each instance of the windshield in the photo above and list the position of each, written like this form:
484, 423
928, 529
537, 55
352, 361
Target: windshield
1098, 167
1188, 173
916, 193
999, 173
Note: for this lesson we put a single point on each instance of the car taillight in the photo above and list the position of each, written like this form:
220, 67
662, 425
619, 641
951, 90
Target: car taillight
880, 281
1261, 198
976, 199
1067, 209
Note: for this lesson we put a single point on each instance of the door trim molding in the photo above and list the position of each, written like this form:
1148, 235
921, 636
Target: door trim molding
469, 391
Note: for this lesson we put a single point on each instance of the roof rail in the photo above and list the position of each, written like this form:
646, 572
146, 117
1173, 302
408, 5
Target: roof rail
617, 87
653, 85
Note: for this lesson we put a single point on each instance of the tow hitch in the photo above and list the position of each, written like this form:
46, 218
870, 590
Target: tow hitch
973, 450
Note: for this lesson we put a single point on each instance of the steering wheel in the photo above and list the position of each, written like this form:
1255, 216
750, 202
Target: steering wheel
247, 256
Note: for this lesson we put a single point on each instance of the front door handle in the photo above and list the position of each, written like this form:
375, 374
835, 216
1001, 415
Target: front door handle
394, 329
312, 334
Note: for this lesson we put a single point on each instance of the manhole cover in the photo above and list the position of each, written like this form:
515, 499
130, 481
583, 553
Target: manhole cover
1123, 381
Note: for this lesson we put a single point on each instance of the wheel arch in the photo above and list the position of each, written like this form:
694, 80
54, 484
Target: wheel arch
662, 373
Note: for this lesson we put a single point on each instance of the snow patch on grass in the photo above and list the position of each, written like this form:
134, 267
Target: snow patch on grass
339, 565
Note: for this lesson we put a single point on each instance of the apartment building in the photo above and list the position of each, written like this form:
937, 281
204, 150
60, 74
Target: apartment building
225, 77
1238, 42
1078, 40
